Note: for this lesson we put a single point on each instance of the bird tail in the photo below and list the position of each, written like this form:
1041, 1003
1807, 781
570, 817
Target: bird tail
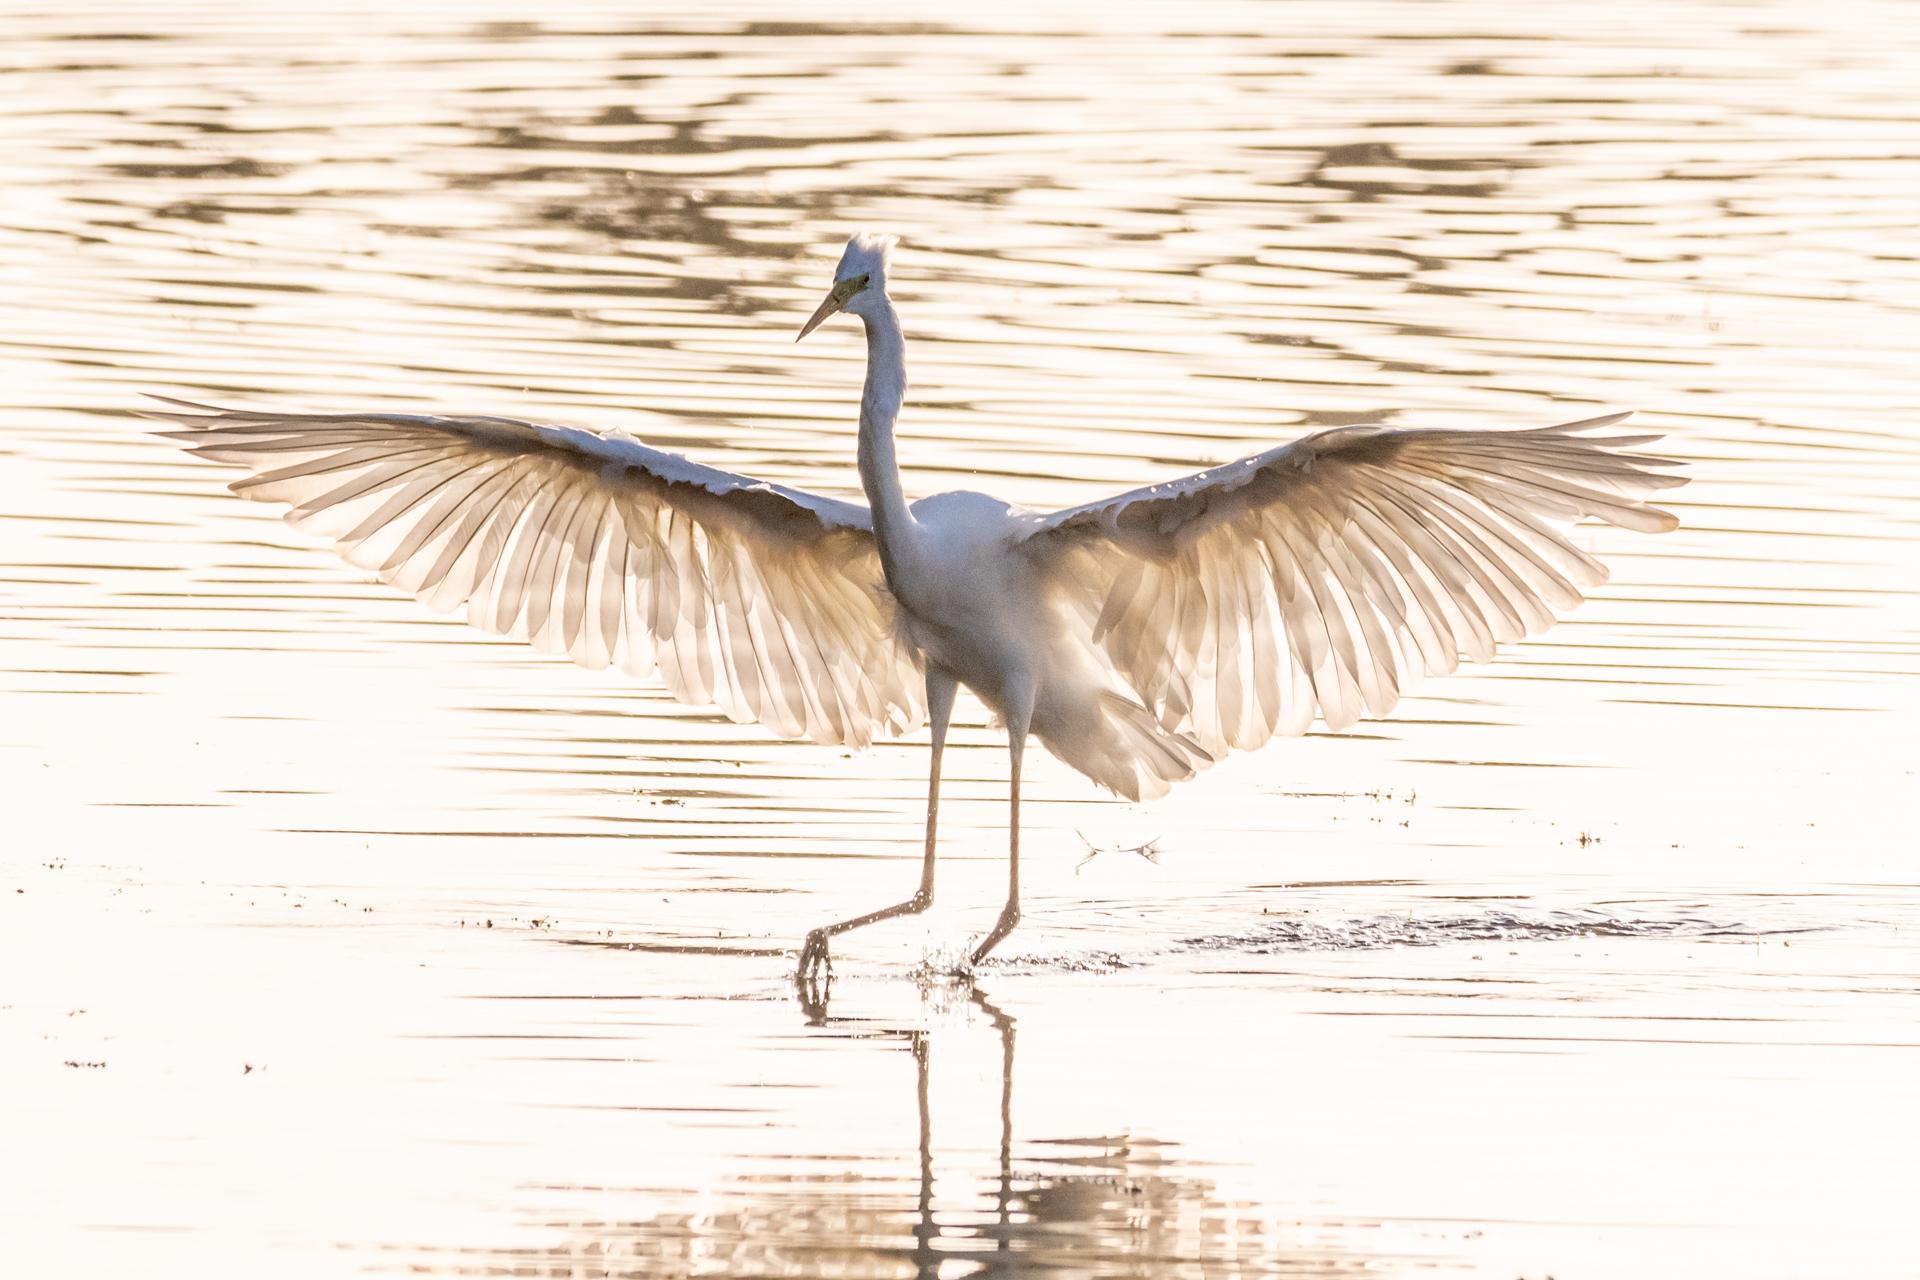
1126, 750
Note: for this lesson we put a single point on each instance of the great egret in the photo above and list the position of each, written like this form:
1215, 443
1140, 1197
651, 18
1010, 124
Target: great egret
1139, 637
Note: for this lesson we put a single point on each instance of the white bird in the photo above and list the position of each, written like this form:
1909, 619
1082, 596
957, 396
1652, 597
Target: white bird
1139, 637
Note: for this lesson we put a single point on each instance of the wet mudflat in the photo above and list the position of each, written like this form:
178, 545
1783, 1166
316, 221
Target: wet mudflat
337, 938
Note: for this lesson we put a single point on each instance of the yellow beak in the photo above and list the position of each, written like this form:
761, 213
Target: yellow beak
835, 299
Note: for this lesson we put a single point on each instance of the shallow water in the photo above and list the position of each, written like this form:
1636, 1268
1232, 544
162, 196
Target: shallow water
339, 938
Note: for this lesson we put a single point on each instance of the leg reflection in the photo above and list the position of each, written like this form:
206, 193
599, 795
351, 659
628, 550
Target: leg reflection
926, 1231
926, 1258
1003, 1200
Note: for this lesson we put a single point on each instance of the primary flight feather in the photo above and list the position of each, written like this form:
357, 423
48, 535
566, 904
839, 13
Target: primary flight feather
1139, 638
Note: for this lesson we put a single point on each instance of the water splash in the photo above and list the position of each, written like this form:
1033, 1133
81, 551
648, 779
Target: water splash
1368, 933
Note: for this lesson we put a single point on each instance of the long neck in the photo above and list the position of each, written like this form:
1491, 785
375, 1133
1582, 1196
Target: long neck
879, 407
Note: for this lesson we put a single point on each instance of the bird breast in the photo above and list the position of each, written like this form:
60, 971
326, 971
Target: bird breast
968, 599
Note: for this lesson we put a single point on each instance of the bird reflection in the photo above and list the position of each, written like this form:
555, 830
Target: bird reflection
926, 1258
1074, 1205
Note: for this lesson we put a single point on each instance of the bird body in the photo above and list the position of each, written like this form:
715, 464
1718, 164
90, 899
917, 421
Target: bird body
1140, 637
976, 607
963, 601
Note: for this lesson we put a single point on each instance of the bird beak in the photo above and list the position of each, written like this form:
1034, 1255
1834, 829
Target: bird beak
834, 300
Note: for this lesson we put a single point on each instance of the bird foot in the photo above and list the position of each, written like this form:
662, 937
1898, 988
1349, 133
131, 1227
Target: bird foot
1001, 928
815, 962
813, 980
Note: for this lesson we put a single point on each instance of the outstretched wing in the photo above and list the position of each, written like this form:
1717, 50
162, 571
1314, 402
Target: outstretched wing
761, 600
1321, 576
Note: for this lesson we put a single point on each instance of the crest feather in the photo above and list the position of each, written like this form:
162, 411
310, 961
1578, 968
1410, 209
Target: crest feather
869, 253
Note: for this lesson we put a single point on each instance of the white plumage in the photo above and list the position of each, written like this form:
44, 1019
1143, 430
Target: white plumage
1139, 638
760, 600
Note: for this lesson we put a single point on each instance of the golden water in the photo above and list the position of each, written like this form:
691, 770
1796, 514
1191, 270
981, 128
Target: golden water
337, 938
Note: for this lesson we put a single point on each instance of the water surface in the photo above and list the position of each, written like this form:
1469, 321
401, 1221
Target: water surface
341, 939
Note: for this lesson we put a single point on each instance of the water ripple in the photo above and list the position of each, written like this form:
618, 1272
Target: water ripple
1384, 931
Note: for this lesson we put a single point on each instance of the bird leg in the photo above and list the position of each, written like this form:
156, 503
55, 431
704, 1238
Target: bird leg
814, 958
1009, 914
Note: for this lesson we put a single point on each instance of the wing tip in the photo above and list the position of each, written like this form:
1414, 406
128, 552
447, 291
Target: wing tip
1600, 423
200, 417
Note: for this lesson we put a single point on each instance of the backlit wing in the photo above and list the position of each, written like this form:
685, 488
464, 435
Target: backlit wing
1321, 576
761, 600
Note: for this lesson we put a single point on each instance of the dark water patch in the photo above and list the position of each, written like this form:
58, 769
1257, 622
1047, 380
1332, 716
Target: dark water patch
676, 948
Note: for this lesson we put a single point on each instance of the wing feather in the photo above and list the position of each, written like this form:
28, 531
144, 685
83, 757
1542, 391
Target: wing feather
1322, 577
762, 600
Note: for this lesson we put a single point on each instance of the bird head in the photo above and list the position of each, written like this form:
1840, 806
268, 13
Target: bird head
860, 281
